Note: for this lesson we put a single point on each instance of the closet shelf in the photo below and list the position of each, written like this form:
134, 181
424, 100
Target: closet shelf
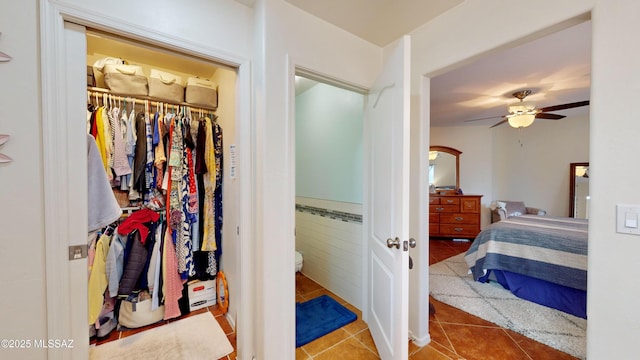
193, 107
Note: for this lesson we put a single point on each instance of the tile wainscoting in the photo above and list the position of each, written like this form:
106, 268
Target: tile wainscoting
329, 236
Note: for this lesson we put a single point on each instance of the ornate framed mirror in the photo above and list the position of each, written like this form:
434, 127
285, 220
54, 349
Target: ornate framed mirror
579, 190
444, 168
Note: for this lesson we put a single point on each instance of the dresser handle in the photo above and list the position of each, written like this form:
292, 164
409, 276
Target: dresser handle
439, 209
459, 218
450, 201
457, 229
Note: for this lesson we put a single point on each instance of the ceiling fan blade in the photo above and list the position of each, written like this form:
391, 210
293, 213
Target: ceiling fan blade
485, 118
549, 116
564, 106
500, 123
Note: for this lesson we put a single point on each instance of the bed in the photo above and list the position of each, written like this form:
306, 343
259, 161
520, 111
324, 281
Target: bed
538, 258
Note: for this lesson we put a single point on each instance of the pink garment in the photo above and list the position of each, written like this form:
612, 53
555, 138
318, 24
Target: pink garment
172, 282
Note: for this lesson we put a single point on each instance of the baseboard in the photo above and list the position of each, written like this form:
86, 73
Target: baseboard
420, 342
231, 321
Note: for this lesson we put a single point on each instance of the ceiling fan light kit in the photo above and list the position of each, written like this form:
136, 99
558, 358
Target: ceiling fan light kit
523, 113
521, 120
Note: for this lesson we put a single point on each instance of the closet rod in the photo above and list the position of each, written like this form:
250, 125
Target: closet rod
101, 91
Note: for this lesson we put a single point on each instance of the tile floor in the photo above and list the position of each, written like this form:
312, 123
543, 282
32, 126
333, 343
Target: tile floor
455, 334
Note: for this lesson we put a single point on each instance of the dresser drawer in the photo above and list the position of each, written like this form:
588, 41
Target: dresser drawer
449, 201
459, 229
454, 216
460, 218
470, 205
444, 208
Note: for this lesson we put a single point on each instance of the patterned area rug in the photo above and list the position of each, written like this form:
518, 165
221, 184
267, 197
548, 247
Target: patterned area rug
450, 283
196, 337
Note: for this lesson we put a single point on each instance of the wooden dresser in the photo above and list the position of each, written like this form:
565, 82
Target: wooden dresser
454, 216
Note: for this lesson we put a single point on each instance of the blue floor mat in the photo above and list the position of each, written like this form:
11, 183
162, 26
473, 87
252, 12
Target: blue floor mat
318, 317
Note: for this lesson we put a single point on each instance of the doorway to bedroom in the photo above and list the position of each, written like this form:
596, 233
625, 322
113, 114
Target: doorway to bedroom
526, 164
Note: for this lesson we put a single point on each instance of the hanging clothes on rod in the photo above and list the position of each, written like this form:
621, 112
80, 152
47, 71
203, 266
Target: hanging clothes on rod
168, 158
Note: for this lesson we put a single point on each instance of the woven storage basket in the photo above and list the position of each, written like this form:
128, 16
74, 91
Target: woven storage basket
201, 92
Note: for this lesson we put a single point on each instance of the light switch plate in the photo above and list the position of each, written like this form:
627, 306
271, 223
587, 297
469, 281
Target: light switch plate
626, 217
77, 252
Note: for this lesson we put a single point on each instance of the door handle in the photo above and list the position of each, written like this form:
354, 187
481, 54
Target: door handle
412, 243
391, 243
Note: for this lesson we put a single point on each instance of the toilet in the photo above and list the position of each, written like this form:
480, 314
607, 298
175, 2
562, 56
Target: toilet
298, 261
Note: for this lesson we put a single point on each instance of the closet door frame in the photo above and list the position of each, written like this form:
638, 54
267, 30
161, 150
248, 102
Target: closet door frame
65, 171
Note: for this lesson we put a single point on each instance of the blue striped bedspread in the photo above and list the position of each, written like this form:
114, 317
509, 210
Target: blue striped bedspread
543, 247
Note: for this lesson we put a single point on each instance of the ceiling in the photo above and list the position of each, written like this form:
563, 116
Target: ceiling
557, 67
377, 21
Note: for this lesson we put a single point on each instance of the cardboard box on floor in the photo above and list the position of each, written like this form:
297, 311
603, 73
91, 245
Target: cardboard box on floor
201, 294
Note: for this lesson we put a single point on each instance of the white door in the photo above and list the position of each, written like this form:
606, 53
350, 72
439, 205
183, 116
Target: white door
386, 129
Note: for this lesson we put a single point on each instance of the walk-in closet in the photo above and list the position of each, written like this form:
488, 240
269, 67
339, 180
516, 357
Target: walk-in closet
163, 197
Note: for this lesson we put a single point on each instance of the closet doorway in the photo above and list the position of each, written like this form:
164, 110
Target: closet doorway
75, 45
329, 186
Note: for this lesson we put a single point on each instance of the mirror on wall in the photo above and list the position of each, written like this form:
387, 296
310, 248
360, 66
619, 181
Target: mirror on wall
579, 190
444, 168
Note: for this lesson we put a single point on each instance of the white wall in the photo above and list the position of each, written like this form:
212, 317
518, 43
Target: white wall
613, 291
289, 37
532, 165
613, 287
224, 25
329, 144
21, 196
226, 112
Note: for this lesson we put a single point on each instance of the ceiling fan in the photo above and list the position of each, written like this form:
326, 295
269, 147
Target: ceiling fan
523, 113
